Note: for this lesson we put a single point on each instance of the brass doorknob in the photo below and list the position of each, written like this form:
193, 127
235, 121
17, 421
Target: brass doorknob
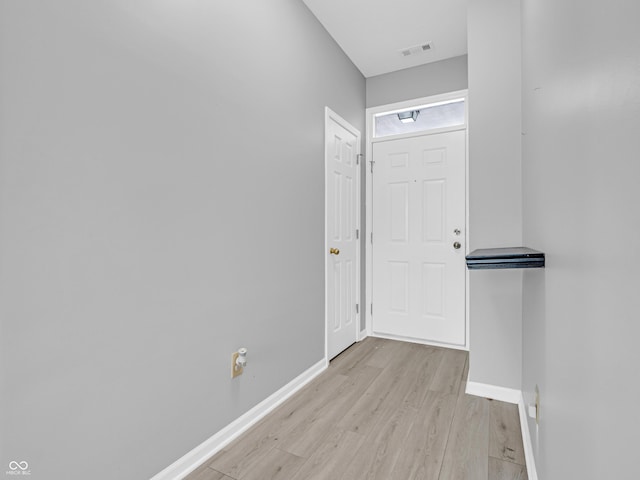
334, 251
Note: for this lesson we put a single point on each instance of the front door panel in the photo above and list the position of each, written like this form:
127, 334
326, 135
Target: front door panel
418, 216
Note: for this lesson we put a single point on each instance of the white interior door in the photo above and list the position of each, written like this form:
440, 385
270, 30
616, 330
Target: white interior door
342, 218
419, 237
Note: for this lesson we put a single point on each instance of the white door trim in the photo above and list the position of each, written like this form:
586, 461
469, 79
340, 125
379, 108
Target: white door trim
370, 140
331, 115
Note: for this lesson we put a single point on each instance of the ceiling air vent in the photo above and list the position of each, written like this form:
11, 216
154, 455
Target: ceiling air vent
425, 47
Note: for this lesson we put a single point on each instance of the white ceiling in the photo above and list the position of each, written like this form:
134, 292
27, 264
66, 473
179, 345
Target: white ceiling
371, 32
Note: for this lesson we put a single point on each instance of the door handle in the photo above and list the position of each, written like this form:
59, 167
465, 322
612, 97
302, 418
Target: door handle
456, 245
334, 251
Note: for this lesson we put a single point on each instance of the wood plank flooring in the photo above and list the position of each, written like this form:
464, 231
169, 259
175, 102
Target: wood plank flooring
383, 410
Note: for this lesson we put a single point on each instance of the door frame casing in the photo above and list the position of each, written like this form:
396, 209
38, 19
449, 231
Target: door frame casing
371, 112
330, 115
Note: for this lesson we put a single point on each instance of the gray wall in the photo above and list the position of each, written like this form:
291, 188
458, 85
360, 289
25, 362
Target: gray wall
580, 183
416, 82
495, 201
161, 205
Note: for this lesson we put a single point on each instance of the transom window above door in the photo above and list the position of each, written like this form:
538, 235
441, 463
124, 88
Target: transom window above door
450, 113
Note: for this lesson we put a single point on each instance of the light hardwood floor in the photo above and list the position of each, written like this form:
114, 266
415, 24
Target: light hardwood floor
383, 410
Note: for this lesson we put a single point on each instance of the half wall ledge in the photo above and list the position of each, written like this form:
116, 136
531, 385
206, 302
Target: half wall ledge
500, 258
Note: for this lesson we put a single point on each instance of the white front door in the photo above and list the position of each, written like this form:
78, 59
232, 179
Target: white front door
419, 238
342, 209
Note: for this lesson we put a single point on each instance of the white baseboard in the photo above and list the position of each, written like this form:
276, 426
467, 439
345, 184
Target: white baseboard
526, 440
509, 395
192, 460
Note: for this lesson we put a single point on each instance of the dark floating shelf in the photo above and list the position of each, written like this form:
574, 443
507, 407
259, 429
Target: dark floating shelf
511, 257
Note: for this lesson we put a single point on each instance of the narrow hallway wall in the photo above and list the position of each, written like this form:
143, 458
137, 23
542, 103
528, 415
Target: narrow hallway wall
161, 205
495, 189
581, 117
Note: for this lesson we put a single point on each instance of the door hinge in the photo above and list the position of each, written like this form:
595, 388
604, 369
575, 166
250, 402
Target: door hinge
371, 237
357, 308
372, 309
358, 157
372, 163
357, 234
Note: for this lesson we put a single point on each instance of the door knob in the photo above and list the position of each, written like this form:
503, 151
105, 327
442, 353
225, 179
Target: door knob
456, 245
334, 251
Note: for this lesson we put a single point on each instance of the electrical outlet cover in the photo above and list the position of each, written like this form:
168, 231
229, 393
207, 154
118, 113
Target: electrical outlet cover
235, 368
